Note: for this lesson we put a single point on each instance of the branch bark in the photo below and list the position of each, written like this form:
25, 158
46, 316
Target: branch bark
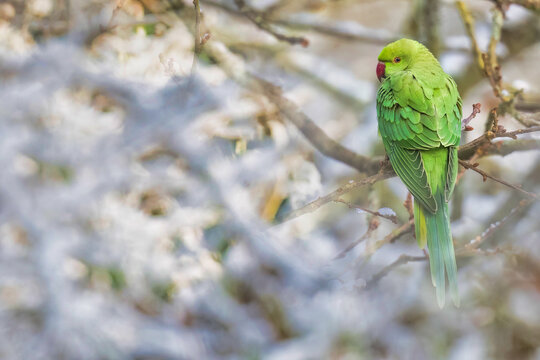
402, 260
334, 195
394, 235
316, 136
485, 176
392, 218
484, 145
468, 21
259, 20
197, 35
473, 245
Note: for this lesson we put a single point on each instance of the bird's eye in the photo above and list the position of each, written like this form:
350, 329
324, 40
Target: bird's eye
397, 59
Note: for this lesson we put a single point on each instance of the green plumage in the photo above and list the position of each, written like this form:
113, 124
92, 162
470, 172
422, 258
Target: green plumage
419, 113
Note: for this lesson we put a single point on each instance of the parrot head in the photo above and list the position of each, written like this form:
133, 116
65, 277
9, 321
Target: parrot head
401, 55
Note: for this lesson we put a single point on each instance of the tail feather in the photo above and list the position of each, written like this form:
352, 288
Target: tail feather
434, 229
420, 227
435, 234
450, 258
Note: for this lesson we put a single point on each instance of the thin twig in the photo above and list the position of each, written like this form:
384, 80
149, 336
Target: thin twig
465, 122
528, 106
353, 32
496, 26
402, 260
492, 69
258, 19
431, 19
507, 147
472, 246
394, 235
392, 217
529, 4
485, 176
197, 36
119, 5
527, 119
483, 142
487, 62
373, 225
314, 205
515, 133
348, 31
468, 20
408, 204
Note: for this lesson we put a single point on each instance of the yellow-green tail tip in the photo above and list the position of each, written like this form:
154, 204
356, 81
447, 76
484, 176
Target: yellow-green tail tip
434, 229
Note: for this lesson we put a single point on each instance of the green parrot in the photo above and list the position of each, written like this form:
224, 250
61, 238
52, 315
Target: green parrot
419, 115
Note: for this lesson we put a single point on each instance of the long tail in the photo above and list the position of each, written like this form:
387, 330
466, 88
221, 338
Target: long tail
434, 229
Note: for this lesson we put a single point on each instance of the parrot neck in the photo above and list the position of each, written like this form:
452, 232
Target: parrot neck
427, 70
426, 66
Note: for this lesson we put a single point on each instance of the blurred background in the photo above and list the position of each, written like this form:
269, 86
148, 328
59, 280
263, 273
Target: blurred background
153, 186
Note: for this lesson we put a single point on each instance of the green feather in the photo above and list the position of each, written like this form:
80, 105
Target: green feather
408, 165
439, 237
451, 175
435, 230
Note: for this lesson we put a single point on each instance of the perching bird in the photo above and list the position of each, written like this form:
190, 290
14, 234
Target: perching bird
419, 113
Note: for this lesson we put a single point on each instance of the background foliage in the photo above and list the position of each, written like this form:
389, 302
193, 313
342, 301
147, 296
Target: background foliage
234, 204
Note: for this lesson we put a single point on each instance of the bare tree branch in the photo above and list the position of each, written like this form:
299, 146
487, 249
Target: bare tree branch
528, 106
472, 246
529, 4
349, 31
483, 143
468, 20
334, 195
259, 20
503, 148
373, 225
352, 32
465, 122
431, 20
402, 260
197, 40
528, 119
390, 217
117, 8
316, 136
394, 235
408, 205
485, 176
515, 133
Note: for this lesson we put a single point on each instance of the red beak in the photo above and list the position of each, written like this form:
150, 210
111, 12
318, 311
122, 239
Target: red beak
380, 70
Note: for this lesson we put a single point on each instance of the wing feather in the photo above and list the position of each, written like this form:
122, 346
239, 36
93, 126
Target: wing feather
413, 118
